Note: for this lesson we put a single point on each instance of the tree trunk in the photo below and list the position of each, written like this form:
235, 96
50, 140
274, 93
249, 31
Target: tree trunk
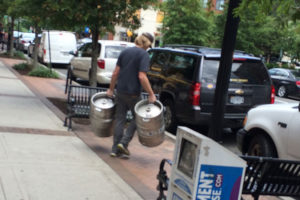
95, 54
11, 32
35, 48
268, 58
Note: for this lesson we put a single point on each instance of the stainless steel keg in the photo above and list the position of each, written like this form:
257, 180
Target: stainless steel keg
102, 111
150, 122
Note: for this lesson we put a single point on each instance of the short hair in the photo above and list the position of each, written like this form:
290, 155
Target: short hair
145, 40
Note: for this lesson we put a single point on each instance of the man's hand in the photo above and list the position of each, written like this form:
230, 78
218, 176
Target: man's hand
109, 93
152, 98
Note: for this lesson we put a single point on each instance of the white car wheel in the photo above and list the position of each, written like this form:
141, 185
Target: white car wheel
281, 91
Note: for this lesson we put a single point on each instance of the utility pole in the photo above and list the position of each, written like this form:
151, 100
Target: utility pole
230, 33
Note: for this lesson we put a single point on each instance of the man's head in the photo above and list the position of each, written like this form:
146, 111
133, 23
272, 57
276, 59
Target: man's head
144, 41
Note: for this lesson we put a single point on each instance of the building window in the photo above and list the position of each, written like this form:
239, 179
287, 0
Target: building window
220, 4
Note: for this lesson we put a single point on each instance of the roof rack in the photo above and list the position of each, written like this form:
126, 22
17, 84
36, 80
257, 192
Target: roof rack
192, 47
200, 49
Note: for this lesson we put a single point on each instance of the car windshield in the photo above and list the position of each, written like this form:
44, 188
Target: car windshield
113, 51
249, 72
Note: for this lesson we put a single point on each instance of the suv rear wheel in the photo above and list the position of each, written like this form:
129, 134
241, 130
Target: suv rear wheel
260, 145
169, 116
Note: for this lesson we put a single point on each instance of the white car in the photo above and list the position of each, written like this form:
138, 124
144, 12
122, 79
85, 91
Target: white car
109, 53
25, 40
272, 131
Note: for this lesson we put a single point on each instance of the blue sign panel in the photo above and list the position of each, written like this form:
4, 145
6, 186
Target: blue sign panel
219, 182
86, 30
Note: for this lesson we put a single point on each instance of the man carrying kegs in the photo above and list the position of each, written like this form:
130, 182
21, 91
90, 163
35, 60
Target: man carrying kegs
130, 77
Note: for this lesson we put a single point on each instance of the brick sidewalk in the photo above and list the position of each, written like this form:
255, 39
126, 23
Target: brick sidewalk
139, 171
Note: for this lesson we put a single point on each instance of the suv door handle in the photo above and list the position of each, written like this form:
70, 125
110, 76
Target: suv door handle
281, 124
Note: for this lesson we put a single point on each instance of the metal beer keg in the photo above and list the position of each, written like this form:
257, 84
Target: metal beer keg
150, 122
102, 114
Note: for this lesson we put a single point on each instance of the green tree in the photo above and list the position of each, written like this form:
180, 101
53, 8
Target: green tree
99, 16
33, 12
9, 7
256, 34
186, 22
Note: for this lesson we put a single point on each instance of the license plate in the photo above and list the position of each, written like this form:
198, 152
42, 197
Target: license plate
236, 99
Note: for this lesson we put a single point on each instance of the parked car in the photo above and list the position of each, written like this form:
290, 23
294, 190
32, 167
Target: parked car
83, 41
108, 55
31, 46
271, 131
24, 41
60, 44
16, 36
185, 78
286, 81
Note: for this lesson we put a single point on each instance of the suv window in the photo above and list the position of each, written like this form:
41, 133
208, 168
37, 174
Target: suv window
86, 50
182, 66
250, 72
159, 60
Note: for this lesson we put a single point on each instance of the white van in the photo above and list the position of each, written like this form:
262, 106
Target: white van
61, 43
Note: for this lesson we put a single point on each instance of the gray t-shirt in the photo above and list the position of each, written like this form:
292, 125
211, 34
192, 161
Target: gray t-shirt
131, 61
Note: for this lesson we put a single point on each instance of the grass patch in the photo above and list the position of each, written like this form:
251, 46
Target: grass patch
16, 55
43, 72
19, 54
21, 66
39, 71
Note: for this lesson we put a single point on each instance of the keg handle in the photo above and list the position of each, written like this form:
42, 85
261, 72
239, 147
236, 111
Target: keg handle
146, 119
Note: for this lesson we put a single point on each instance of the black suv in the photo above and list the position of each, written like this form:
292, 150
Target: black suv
185, 78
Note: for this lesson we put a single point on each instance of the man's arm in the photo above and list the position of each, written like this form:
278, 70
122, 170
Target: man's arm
147, 87
113, 81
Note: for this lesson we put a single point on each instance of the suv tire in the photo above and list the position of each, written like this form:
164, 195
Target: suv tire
261, 145
170, 116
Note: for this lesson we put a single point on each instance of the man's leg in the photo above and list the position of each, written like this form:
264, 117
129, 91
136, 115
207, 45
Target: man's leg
120, 120
132, 125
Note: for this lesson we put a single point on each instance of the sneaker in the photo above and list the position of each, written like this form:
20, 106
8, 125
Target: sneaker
123, 149
124, 156
112, 154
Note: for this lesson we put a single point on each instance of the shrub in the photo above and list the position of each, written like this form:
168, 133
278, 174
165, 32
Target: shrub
21, 66
16, 55
19, 54
272, 65
43, 72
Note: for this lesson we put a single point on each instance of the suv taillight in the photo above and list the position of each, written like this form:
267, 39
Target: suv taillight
272, 94
101, 64
195, 94
298, 83
44, 51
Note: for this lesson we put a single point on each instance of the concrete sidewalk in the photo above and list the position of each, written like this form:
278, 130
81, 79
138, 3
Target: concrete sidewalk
40, 159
